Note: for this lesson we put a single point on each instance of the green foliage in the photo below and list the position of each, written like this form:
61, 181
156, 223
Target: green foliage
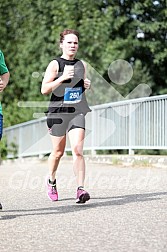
131, 30
5, 149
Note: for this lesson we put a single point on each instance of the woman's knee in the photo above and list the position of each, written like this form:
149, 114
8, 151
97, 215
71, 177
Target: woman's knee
78, 151
57, 154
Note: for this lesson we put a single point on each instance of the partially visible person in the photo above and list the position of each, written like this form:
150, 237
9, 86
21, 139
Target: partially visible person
4, 79
65, 79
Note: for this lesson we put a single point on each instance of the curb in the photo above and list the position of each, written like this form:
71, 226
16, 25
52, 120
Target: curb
116, 160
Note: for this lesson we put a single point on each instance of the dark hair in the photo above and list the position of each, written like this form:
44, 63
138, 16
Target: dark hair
68, 31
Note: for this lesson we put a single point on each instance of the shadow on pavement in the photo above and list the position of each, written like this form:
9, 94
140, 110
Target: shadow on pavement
111, 201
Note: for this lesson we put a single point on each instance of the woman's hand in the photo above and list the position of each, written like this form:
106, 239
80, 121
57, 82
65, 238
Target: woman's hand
68, 72
87, 83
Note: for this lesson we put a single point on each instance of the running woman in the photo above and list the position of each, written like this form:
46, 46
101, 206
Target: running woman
4, 79
65, 79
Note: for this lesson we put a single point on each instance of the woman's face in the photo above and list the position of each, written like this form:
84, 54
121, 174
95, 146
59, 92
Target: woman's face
70, 45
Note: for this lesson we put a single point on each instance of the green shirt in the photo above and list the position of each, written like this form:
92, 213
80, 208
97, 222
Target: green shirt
3, 70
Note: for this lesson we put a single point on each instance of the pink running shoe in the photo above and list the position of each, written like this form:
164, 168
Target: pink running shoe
82, 196
52, 190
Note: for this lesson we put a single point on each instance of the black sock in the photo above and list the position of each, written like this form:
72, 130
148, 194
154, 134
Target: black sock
80, 188
52, 182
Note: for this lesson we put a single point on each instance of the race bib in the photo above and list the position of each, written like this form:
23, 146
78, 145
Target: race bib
73, 95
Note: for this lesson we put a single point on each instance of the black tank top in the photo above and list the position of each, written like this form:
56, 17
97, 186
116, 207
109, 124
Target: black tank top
72, 88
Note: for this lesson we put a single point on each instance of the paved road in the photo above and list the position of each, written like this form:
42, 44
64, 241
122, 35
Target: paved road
127, 211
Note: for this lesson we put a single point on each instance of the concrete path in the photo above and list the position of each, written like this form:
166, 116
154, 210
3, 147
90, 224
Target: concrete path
127, 211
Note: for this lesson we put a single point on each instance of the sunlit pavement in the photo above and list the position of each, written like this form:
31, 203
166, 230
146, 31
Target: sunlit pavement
126, 212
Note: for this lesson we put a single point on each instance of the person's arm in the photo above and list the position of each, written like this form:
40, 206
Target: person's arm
49, 83
4, 72
87, 82
4, 79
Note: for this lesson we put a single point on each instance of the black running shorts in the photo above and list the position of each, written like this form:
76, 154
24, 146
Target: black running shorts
59, 124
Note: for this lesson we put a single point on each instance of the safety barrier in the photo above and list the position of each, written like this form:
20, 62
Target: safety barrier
131, 124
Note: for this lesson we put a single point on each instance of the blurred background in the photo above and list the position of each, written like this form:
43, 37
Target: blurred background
135, 31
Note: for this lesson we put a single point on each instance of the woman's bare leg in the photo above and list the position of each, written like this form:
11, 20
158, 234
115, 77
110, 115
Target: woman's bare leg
76, 137
56, 154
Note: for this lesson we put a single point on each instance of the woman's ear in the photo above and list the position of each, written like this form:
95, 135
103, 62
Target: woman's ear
61, 45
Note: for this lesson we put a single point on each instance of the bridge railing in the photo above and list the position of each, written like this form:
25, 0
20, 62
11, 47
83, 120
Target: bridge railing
131, 124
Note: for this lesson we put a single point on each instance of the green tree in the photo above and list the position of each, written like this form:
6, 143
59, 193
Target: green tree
110, 30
